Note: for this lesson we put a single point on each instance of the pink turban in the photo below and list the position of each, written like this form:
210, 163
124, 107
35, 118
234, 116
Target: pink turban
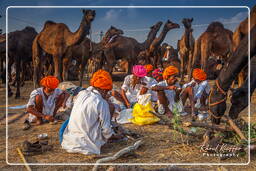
139, 71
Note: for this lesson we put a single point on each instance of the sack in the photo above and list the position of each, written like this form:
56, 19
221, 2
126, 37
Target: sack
142, 116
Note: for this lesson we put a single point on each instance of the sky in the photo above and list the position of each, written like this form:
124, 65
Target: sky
135, 22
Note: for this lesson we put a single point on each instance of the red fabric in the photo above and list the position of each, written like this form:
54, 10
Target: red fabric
199, 74
169, 71
50, 82
102, 79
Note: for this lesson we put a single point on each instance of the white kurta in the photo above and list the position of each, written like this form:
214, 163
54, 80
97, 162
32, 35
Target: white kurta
89, 125
48, 103
150, 82
132, 93
170, 94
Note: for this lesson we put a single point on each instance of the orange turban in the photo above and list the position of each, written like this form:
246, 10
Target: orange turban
50, 82
199, 74
148, 67
169, 71
102, 80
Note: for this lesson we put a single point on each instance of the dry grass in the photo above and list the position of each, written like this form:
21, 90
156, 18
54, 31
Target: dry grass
162, 145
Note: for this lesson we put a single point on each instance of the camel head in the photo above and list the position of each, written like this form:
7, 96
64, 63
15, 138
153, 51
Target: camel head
187, 22
170, 25
89, 15
156, 26
114, 31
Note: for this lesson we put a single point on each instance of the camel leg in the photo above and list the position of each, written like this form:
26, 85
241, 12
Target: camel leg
57, 66
36, 56
82, 68
65, 69
182, 68
241, 76
18, 66
205, 54
110, 57
189, 68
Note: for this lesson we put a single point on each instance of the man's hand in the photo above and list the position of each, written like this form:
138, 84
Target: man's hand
171, 87
115, 137
49, 118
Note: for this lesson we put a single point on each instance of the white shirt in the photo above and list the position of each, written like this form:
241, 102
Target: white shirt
132, 93
48, 103
150, 82
198, 89
89, 125
170, 94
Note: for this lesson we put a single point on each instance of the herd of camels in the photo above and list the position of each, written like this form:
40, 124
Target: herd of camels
217, 51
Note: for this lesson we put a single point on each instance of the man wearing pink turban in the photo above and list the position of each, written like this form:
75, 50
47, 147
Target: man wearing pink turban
133, 86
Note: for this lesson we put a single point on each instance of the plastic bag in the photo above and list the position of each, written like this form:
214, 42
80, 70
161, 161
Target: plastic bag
142, 116
124, 116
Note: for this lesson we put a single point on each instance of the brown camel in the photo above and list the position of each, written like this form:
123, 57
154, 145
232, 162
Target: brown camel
186, 47
216, 42
157, 41
240, 32
169, 56
82, 52
127, 48
54, 39
150, 55
19, 53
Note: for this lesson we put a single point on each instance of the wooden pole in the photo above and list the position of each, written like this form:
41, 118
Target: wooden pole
205, 125
23, 159
235, 128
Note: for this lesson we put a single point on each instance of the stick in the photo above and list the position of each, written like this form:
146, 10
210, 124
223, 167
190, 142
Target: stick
23, 159
235, 128
17, 118
166, 120
205, 125
118, 154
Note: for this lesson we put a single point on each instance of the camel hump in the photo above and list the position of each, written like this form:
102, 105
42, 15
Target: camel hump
29, 29
49, 22
215, 27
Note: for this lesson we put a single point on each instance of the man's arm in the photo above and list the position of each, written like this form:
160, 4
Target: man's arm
123, 94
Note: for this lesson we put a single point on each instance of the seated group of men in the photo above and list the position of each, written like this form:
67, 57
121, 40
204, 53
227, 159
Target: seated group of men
89, 125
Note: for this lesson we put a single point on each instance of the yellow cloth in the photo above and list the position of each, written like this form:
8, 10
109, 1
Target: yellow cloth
102, 79
169, 71
142, 116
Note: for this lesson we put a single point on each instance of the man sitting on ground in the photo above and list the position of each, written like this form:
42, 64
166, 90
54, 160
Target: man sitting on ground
44, 102
197, 91
168, 91
89, 125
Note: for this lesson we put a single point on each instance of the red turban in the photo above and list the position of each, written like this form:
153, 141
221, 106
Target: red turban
199, 74
148, 67
50, 82
169, 71
102, 79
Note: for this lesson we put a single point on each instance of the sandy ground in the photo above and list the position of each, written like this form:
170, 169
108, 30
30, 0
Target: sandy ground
161, 144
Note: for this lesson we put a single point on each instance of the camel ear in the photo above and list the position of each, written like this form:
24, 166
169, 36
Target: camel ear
111, 27
191, 19
84, 11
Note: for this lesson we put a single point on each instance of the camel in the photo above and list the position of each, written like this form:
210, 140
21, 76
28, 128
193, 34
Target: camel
82, 52
127, 48
186, 47
54, 39
168, 56
239, 34
157, 41
216, 41
236, 62
19, 52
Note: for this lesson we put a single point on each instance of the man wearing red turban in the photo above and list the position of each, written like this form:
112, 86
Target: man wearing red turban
89, 126
45, 101
197, 91
168, 91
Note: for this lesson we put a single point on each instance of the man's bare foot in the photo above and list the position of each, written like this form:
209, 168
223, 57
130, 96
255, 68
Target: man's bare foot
39, 121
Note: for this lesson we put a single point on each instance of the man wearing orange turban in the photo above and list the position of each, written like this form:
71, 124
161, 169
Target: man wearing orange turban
168, 91
197, 92
89, 126
45, 101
